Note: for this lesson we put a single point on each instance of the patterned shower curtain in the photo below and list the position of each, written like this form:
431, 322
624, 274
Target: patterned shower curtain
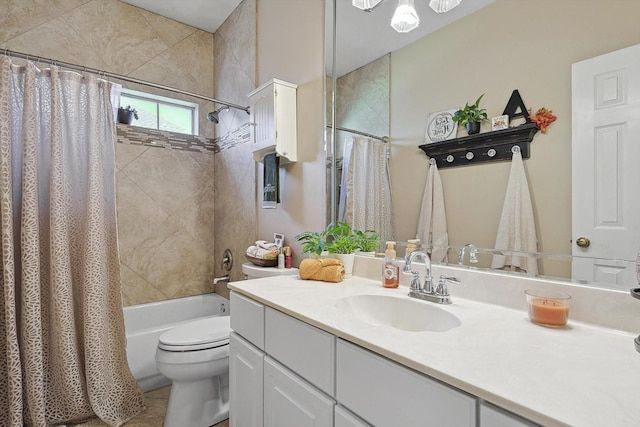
365, 195
62, 342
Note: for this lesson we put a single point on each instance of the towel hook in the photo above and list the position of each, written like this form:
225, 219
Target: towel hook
432, 161
515, 149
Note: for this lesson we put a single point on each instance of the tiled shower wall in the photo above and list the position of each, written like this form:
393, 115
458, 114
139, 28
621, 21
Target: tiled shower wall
235, 169
165, 195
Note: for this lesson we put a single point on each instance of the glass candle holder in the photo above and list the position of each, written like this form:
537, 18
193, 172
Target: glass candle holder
548, 308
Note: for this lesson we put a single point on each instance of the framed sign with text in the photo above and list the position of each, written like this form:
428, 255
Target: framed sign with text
441, 127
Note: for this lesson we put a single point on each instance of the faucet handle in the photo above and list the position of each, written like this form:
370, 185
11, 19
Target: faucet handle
442, 288
415, 282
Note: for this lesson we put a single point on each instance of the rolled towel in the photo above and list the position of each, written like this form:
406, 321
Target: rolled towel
263, 244
256, 252
325, 270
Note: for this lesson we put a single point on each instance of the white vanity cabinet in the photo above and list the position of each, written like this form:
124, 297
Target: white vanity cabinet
273, 120
344, 418
492, 416
287, 373
289, 401
385, 393
281, 369
246, 371
246, 363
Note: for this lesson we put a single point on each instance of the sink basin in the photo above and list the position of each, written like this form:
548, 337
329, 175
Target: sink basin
399, 313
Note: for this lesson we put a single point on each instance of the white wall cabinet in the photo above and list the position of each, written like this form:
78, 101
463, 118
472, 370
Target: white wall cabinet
246, 373
273, 120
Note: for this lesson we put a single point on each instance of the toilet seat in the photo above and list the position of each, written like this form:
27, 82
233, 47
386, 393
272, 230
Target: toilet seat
203, 334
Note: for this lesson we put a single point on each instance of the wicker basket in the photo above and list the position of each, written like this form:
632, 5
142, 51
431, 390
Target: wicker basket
262, 262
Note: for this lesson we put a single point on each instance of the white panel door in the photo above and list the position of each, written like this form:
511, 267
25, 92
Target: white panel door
289, 401
245, 383
606, 166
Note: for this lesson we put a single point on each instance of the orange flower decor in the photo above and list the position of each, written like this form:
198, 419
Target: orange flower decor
543, 118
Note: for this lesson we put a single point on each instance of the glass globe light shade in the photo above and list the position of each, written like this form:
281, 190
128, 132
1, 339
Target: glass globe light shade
365, 4
441, 6
405, 18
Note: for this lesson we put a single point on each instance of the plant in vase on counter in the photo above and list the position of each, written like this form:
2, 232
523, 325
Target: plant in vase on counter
340, 241
471, 116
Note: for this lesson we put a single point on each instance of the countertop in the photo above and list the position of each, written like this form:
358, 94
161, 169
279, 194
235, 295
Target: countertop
580, 375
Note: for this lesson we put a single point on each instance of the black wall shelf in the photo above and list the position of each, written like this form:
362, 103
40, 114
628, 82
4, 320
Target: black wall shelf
482, 147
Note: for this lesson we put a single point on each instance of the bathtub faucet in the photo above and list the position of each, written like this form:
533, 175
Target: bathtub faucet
217, 280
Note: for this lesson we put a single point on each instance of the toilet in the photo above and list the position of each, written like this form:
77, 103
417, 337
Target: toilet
252, 271
195, 357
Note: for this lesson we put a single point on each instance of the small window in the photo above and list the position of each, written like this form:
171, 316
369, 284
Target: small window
162, 113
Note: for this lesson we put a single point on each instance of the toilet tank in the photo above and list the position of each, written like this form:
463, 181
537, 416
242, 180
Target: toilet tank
252, 271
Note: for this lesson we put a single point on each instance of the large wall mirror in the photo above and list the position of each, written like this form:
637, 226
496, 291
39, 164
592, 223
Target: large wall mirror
488, 47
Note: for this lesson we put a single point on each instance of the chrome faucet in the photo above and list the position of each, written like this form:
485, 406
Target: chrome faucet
439, 294
415, 282
473, 254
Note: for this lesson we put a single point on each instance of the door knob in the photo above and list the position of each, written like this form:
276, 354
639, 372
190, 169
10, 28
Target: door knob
583, 242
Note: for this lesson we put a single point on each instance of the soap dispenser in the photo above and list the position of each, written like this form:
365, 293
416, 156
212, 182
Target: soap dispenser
390, 268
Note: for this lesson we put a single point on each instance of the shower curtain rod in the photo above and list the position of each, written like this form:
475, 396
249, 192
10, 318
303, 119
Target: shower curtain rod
102, 73
384, 139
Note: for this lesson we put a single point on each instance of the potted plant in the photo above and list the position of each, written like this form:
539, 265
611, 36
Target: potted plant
368, 240
127, 114
471, 116
312, 242
340, 241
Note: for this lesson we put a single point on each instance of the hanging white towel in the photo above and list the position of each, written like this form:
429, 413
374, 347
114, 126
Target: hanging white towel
517, 229
432, 222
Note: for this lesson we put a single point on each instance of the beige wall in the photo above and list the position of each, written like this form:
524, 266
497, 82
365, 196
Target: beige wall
508, 45
290, 48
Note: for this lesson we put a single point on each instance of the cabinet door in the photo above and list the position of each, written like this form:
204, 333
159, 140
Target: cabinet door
344, 418
263, 133
302, 348
289, 401
247, 319
492, 416
386, 394
245, 383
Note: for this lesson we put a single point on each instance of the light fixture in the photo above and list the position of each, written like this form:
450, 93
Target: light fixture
405, 18
441, 6
366, 5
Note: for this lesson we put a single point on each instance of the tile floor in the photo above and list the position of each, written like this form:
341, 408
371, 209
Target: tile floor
152, 417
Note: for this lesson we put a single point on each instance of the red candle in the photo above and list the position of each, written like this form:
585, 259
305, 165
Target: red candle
548, 311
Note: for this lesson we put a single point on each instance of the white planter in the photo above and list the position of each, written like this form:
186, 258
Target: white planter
347, 261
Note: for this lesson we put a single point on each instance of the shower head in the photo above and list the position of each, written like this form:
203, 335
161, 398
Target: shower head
214, 115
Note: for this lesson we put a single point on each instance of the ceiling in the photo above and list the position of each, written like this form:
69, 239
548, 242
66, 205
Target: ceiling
361, 36
207, 15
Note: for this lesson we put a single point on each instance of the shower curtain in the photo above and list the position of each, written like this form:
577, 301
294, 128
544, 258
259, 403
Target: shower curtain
365, 195
62, 342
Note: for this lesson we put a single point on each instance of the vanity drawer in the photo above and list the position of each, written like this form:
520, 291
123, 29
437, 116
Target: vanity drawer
384, 393
247, 319
305, 349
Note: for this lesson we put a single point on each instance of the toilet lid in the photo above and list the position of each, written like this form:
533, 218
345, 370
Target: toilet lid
211, 330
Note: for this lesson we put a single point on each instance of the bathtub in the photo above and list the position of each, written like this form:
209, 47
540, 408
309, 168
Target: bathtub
144, 323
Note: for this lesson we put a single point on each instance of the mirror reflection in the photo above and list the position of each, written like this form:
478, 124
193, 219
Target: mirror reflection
502, 46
